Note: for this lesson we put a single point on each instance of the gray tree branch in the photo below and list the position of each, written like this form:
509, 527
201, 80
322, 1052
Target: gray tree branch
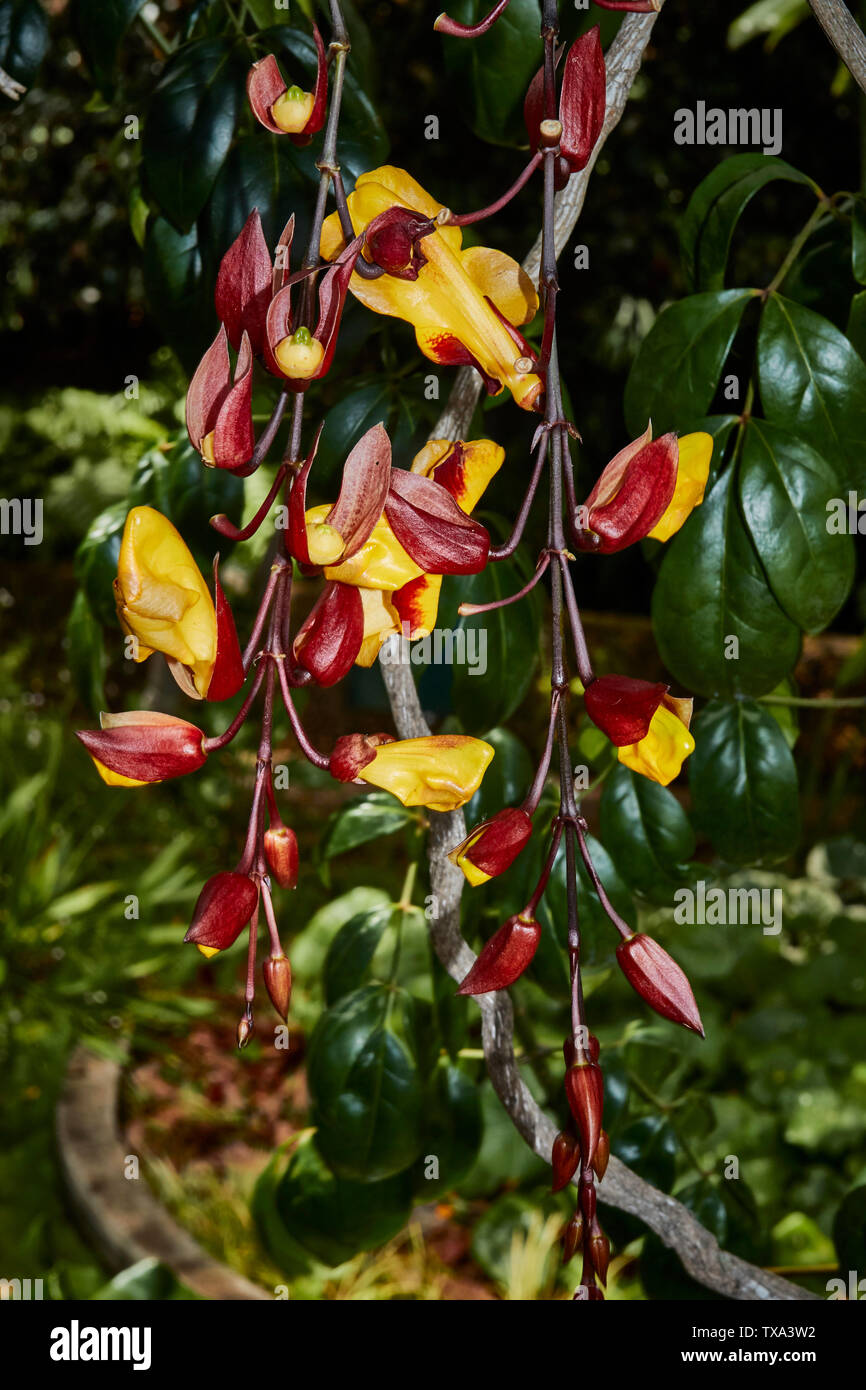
696, 1247
845, 36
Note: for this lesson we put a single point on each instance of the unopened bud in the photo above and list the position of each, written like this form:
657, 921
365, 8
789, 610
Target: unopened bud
278, 982
602, 1155
393, 242
572, 1241
659, 981
564, 1160
598, 1249
281, 852
584, 1087
245, 1030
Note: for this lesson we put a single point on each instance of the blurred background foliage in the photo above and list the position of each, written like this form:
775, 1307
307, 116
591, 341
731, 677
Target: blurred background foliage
105, 305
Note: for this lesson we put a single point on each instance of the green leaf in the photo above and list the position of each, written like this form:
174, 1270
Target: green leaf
85, 649
190, 126
775, 18
497, 67
716, 206
261, 171
308, 1209
784, 490
711, 589
365, 1088
352, 950
814, 384
175, 288
646, 830
24, 39
148, 1281
650, 1147
100, 25
506, 781
849, 1231
355, 413
855, 329
96, 561
363, 820
502, 645
744, 783
175, 482
680, 361
452, 1131
310, 947
858, 240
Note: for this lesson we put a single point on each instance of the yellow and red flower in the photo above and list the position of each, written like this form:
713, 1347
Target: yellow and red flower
285, 110
648, 489
440, 771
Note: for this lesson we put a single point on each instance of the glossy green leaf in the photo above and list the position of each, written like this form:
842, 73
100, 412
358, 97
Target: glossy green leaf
96, 561
855, 329
24, 39
85, 650
650, 1147
646, 830
189, 127
352, 950
775, 18
718, 626
355, 412
500, 648
744, 783
101, 25
506, 781
327, 1217
365, 1088
785, 486
497, 67
261, 171
717, 205
452, 1132
814, 383
176, 483
679, 363
176, 292
858, 240
368, 818
849, 1231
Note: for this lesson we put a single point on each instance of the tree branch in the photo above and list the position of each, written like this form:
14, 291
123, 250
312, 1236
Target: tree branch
845, 36
696, 1247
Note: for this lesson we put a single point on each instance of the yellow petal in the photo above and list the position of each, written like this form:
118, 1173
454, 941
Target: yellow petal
381, 563
116, 779
161, 595
474, 876
693, 469
504, 280
417, 604
440, 772
661, 754
482, 460
208, 951
380, 621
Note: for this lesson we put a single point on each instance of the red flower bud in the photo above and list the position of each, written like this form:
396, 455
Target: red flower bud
572, 1241
352, 752
392, 239
582, 100
278, 982
659, 980
225, 906
564, 1160
569, 1050
505, 957
493, 846
330, 638
602, 1155
623, 708
588, 1293
144, 746
598, 1250
281, 852
245, 1030
584, 1086
631, 496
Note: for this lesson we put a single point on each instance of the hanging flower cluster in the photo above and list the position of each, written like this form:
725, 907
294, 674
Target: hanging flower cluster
381, 548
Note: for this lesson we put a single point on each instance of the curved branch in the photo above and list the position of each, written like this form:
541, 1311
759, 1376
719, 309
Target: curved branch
697, 1249
845, 36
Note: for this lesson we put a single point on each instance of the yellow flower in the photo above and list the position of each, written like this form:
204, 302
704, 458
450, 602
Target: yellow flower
693, 469
661, 754
448, 302
440, 772
162, 599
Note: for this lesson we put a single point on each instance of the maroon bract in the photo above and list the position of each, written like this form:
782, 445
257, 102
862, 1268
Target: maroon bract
266, 88
623, 707
228, 670
219, 416
659, 981
393, 241
145, 746
243, 285
281, 852
353, 752
432, 529
584, 1088
631, 496
492, 847
564, 1160
582, 99
277, 974
505, 957
330, 638
225, 906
